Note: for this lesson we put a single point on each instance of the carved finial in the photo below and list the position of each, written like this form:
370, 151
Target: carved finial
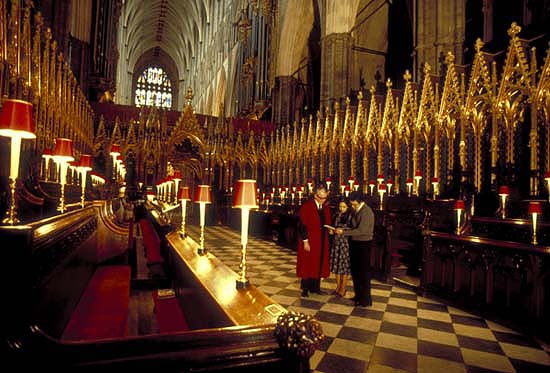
388, 83
479, 44
360, 95
336, 106
372, 90
407, 76
514, 30
347, 101
449, 58
427, 68
189, 95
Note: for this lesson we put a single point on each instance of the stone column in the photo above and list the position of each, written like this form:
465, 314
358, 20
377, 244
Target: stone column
284, 94
335, 67
440, 29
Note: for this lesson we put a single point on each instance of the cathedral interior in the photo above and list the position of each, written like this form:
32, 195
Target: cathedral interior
154, 157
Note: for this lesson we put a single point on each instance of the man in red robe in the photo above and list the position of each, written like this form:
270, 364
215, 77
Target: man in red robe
313, 262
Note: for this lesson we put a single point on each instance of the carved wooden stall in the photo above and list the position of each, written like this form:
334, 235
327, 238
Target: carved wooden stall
495, 275
54, 320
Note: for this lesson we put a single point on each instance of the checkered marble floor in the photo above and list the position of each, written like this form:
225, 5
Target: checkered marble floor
401, 332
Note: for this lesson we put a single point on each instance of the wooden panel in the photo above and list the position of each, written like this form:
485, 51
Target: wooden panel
243, 307
504, 278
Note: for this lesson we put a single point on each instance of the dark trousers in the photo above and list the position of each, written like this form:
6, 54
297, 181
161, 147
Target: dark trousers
359, 252
311, 284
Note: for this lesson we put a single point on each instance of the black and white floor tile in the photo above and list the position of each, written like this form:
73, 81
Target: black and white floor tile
401, 332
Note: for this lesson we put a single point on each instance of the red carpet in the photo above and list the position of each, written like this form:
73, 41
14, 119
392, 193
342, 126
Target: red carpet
103, 309
170, 318
151, 241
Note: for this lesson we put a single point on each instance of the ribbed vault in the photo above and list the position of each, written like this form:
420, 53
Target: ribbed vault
173, 27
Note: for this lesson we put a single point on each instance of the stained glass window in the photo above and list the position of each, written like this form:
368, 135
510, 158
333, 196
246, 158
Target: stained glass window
153, 88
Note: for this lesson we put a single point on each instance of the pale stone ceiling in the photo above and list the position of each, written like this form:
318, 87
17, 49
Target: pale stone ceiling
175, 26
155, 27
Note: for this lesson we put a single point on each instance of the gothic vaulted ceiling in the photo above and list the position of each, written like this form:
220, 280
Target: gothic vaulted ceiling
173, 26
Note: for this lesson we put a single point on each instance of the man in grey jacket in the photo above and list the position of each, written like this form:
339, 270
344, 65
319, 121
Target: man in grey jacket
360, 235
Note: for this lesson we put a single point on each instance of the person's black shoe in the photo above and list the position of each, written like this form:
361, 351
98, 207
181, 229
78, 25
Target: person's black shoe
305, 293
320, 292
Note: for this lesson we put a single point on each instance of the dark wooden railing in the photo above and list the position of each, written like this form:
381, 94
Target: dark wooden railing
493, 268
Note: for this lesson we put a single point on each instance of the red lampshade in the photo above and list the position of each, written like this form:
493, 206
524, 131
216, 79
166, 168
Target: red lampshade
504, 191
177, 176
409, 181
459, 204
85, 162
351, 178
435, 180
372, 182
390, 182
328, 179
115, 149
418, 173
16, 119
245, 194
380, 177
183, 194
534, 208
47, 153
202, 194
547, 176
382, 187
63, 150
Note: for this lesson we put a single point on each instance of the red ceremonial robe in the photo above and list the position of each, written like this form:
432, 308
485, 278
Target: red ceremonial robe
315, 263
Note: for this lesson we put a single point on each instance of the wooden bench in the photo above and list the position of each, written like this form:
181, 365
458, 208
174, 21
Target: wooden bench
151, 241
170, 317
56, 286
102, 311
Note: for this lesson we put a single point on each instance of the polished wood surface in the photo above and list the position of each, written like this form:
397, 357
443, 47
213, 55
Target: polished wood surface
244, 307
